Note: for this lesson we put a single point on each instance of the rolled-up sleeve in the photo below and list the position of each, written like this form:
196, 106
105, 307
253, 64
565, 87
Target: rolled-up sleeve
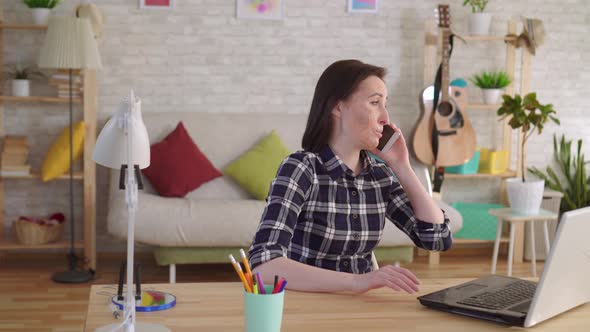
288, 192
429, 236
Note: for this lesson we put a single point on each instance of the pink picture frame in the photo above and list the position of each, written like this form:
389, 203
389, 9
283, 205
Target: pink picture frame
157, 4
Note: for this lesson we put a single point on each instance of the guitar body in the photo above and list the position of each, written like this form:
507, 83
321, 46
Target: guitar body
456, 139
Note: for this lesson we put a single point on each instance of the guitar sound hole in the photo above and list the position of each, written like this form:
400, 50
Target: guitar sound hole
445, 109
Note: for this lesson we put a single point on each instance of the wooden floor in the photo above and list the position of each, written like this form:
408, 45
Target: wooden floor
30, 301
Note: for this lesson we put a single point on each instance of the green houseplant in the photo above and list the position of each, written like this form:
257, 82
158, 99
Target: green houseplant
479, 22
41, 9
529, 116
571, 168
491, 83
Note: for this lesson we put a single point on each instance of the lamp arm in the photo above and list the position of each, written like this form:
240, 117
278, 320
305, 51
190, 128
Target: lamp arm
131, 200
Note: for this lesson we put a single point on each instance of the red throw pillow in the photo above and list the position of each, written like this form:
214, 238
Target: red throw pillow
178, 166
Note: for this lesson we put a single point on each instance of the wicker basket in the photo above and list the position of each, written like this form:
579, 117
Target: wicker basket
34, 234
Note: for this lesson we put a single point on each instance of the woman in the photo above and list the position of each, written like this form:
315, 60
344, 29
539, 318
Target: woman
327, 206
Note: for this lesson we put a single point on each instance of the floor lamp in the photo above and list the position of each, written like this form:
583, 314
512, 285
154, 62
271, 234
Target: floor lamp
70, 44
123, 144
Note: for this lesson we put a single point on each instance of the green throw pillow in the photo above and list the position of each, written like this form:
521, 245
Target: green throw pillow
256, 168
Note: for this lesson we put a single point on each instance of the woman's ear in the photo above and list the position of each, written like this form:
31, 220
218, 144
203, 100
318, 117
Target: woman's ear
337, 110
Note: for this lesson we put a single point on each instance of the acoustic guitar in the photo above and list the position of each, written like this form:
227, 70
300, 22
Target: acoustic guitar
443, 135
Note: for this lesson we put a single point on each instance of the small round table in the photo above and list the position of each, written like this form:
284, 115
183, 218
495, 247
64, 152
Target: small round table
514, 216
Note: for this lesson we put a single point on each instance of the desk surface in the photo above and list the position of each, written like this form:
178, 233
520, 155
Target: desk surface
219, 307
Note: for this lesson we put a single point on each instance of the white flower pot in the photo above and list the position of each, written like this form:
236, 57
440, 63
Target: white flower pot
479, 24
526, 197
491, 96
40, 15
21, 88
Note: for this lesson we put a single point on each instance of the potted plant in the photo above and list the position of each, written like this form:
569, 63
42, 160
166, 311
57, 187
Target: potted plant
491, 83
572, 168
528, 115
41, 9
21, 79
479, 22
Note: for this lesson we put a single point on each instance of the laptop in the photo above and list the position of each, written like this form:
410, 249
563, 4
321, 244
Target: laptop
563, 285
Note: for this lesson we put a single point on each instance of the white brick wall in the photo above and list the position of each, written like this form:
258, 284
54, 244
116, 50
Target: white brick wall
199, 57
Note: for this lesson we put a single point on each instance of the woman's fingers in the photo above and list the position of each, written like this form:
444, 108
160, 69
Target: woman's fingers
412, 285
392, 285
408, 274
403, 278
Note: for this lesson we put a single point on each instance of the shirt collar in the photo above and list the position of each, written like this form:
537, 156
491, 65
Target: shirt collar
336, 167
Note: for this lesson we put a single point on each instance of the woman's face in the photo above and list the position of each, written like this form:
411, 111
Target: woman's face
363, 114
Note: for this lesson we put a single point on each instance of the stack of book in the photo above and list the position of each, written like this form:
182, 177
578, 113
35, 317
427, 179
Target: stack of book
14, 156
61, 80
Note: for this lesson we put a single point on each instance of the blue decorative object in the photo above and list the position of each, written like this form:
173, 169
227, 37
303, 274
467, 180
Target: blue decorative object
470, 167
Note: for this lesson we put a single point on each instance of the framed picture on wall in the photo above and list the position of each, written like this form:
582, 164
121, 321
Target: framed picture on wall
362, 6
156, 4
259, 9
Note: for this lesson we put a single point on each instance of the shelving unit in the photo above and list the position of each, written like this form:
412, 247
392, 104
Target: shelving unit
87, 177
432, 45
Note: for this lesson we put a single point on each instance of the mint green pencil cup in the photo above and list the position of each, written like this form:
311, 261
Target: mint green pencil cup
263, 312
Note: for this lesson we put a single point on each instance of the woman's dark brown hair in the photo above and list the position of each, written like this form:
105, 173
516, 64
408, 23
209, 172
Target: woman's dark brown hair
337, 83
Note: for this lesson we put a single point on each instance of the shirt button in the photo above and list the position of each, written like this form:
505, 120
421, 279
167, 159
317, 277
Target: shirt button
356, 236
355, 216
354, 193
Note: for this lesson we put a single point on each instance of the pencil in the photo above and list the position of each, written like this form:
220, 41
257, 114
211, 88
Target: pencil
245, 261
240, 273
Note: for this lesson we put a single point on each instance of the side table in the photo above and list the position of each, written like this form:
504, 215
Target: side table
513, 217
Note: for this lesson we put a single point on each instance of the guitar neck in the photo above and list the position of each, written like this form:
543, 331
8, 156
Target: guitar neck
446, 48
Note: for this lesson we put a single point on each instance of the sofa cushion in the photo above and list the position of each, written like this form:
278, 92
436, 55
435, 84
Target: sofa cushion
178, 166
181, 222
256, 168
57, 160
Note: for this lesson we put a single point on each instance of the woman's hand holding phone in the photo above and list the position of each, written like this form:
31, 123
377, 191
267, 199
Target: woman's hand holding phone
392, 146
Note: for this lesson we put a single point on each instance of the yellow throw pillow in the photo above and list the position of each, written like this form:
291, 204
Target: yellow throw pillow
57, 160
256, 168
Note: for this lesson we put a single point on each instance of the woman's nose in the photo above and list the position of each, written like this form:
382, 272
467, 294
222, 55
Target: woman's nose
384, 117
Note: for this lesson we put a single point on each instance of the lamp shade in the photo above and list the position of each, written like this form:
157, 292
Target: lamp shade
111, 145
69, 44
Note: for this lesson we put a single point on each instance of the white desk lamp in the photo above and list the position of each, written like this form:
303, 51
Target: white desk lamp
123, 144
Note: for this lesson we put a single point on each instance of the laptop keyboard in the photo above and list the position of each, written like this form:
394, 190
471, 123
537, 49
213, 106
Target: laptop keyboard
503, 298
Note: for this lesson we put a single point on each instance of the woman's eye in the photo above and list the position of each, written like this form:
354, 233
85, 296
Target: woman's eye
375, 103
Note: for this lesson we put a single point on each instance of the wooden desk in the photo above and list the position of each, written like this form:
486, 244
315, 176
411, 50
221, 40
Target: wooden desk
219, 307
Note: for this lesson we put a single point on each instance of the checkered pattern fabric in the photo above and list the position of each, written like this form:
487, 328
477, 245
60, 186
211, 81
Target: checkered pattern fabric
319, 213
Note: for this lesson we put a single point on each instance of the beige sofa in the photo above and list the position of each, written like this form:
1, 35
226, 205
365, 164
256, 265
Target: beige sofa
219, 217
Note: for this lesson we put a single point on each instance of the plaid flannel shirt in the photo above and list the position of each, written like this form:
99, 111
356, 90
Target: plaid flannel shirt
320, 214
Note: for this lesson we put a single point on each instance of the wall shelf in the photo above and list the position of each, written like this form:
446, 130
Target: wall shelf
14, 245
507, 174
35, 175
86, 177
432, 54
487, 38
483, 107
23, 27
39, 99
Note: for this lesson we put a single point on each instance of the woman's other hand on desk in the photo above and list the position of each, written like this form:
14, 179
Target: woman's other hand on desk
396, 278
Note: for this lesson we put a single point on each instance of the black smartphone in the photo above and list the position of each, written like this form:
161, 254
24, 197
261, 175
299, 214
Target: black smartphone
389, 137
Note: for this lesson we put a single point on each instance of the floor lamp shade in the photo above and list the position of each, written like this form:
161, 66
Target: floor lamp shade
69, 44
111, 145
